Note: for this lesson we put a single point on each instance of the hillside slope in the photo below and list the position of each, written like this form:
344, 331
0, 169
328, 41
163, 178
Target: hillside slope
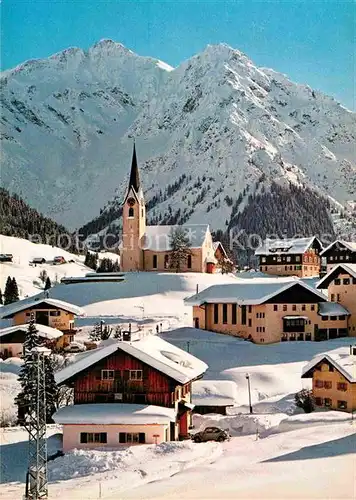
68, 123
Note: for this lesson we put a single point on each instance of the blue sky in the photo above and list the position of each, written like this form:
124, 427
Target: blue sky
311, 41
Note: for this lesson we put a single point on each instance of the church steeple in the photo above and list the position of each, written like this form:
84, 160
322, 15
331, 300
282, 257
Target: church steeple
134, 175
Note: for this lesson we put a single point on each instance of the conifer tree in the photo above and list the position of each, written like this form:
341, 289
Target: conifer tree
28, 373
48, 283
50, 389
8, 294
15, 291
180, 249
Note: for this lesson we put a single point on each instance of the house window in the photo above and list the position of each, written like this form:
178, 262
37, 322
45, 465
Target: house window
342, 405
327, 385
216, 314
55, 313
155, 262
312, 307
337, 281
275, 307
297, 258
131, 212
249, 322
303, 307
284, 307
319, 384
166, 261
342, 317
107, 374
325, 318
294, 307
338, 297
263, 259
346, 281
234, 313
135, 374
243, 315
224, 314
341, 386
319, 401
327, 402
93, 437
132, 437
189, 264
250, 309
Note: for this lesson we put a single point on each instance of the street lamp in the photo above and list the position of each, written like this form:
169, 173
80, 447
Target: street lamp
249, 391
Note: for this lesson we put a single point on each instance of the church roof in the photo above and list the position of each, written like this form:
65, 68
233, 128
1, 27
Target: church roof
157, 238
134, 175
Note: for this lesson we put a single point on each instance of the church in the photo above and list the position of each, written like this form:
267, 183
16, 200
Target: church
147, 248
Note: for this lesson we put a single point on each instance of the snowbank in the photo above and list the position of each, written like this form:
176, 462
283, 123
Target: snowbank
313, 419
238, 425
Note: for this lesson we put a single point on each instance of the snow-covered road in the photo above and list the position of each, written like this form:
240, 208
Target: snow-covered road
312, 463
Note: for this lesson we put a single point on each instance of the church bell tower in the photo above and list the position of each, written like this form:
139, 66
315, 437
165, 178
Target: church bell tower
133, 222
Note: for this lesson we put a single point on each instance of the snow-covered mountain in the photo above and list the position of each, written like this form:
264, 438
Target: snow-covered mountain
210, 127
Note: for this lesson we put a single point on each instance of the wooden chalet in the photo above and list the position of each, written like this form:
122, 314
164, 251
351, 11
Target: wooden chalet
338, 252
148, 372
290, 257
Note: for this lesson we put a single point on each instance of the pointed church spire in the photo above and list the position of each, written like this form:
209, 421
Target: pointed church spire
134, 175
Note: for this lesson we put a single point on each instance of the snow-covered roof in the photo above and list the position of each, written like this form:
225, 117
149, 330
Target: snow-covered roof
214, 393
114, 413
340, 358
158, 237
216, 245
152, 350
248, 293
336, 270
11, 309
286, 246
45, 332
332, 309
350, 245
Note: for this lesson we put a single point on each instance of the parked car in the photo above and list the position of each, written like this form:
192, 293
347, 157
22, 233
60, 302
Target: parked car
211, 434
38, 260
59, 260
6, 257
74, 347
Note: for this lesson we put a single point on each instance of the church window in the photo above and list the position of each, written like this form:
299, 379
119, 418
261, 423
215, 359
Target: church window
131, 212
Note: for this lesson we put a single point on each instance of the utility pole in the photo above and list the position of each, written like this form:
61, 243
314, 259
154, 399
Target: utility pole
35, 424
249, 391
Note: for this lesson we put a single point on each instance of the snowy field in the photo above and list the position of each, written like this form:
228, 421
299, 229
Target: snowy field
26, 275
277, 452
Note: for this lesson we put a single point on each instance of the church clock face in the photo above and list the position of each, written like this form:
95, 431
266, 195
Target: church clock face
131, 202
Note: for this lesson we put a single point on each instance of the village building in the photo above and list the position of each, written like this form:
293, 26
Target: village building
334, 378
290, 257
340, 283
48, 312
147, 248
12, 339
338, 252
135, 391
270, 311
213, 396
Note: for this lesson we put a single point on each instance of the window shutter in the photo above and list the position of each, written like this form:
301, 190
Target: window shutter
142, 437
83, 437
103, 437
122, 437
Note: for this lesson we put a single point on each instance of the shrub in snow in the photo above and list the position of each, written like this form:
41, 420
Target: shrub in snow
304, 399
